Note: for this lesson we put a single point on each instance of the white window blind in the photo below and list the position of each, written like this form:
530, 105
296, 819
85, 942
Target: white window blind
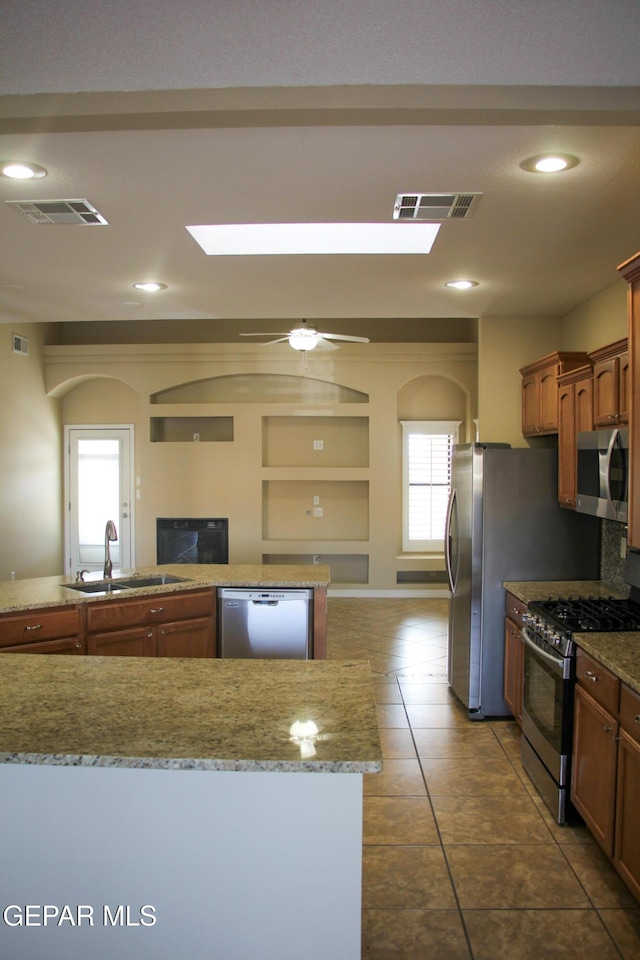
427, 448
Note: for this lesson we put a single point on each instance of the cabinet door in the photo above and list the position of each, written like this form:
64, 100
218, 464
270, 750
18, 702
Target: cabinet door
593, 786
548, 389
70, 645
627, 847
567, 445
624, 388
137, 642
513, 669
584, 405
530, 404
605, 392
188, 638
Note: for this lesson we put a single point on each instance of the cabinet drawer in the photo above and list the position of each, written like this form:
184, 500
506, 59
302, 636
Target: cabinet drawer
601, 684
514, 609
39, 625
630, 712
114, 614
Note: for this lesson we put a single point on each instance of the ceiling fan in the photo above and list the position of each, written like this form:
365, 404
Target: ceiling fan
307, 337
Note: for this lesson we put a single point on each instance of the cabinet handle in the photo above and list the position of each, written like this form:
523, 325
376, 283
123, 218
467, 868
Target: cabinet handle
607, 728
591, 676
636, 719
36, 626
78, 646
158, 610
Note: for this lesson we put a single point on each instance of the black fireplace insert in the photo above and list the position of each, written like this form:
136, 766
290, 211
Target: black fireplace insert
192, 540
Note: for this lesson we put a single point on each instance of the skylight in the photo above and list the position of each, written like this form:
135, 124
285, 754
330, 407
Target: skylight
285, 239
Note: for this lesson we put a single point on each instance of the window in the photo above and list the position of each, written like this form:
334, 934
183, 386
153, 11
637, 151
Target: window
426, 482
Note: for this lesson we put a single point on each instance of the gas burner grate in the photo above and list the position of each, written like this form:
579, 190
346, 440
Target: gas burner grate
589, 614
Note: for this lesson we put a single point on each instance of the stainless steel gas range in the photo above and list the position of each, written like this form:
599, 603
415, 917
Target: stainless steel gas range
549, 680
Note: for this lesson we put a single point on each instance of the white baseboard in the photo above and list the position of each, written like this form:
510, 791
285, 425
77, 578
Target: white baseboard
434, 593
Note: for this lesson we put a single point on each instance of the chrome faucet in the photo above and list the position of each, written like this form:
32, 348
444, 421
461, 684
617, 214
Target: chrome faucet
110, 533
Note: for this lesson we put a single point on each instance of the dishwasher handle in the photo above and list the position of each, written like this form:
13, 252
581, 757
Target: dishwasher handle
265, 603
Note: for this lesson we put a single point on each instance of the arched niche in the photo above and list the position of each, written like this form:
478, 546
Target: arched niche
434, 397
259, 388
99, 400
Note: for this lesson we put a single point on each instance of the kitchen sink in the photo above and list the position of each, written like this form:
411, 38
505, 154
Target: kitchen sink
130, 583
98, 586
154, 581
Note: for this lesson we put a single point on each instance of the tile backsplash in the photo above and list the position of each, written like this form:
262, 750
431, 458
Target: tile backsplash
611, 563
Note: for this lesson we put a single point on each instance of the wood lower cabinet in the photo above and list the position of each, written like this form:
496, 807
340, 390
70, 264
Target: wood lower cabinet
48, 630
513, 656
606, 765
593, 776
164, 625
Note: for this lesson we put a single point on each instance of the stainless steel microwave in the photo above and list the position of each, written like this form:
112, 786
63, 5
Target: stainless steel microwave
602, 488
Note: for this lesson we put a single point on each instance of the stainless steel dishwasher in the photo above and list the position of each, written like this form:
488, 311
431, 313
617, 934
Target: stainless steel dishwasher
265, 624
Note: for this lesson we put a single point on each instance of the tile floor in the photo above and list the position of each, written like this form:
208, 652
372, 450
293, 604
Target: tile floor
460, 859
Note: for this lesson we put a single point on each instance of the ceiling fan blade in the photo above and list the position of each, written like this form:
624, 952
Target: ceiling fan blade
340, 336
268, 333
323, 344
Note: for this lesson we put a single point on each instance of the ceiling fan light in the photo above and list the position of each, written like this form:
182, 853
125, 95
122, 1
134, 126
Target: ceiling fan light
461, 284
303, 340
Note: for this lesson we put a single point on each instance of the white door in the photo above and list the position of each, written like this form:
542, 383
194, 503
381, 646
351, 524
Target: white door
98, 488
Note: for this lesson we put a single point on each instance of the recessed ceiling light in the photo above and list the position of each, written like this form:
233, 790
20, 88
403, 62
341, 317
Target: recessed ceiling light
150, 286
550, 163
285, 239
17, 170
461, 284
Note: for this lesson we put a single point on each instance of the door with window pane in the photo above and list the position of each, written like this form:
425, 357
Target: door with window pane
98, 485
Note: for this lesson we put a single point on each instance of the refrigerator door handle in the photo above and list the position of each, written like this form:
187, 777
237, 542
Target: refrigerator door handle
447, 540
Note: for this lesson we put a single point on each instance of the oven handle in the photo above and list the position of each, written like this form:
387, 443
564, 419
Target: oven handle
560, 664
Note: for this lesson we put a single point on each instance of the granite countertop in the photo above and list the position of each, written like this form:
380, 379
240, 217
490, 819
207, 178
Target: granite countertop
16, 595
619, 652
180, 714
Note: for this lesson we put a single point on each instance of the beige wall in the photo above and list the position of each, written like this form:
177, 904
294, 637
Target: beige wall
599, 321
264, 480
103, 384
504, 345
30, 461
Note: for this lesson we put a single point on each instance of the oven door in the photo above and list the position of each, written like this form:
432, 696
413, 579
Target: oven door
548, 705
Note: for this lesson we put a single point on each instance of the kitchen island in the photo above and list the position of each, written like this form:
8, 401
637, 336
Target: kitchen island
155, 808
55, 615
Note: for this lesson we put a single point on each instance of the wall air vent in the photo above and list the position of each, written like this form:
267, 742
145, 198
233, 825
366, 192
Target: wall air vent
20, 344
44, 212
435, 206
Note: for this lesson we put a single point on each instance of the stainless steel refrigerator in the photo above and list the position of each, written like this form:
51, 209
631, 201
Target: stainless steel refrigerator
504, 523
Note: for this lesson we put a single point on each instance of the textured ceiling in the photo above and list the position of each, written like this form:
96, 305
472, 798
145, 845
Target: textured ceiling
164, 115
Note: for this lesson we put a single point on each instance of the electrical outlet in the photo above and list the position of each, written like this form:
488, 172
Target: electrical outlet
318, 444
316, 559
623, 547
318, 512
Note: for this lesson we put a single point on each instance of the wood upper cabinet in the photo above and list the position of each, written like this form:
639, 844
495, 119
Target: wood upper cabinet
540, 391
164, 625
611, 384
575, 414
630, 270
47, 630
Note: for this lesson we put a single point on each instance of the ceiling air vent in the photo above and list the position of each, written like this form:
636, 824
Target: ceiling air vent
75, 212
20, 344
435, 206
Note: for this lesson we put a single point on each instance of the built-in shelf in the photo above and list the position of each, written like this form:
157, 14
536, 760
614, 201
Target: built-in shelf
191, 429
310, 441
344, 567
315, 510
